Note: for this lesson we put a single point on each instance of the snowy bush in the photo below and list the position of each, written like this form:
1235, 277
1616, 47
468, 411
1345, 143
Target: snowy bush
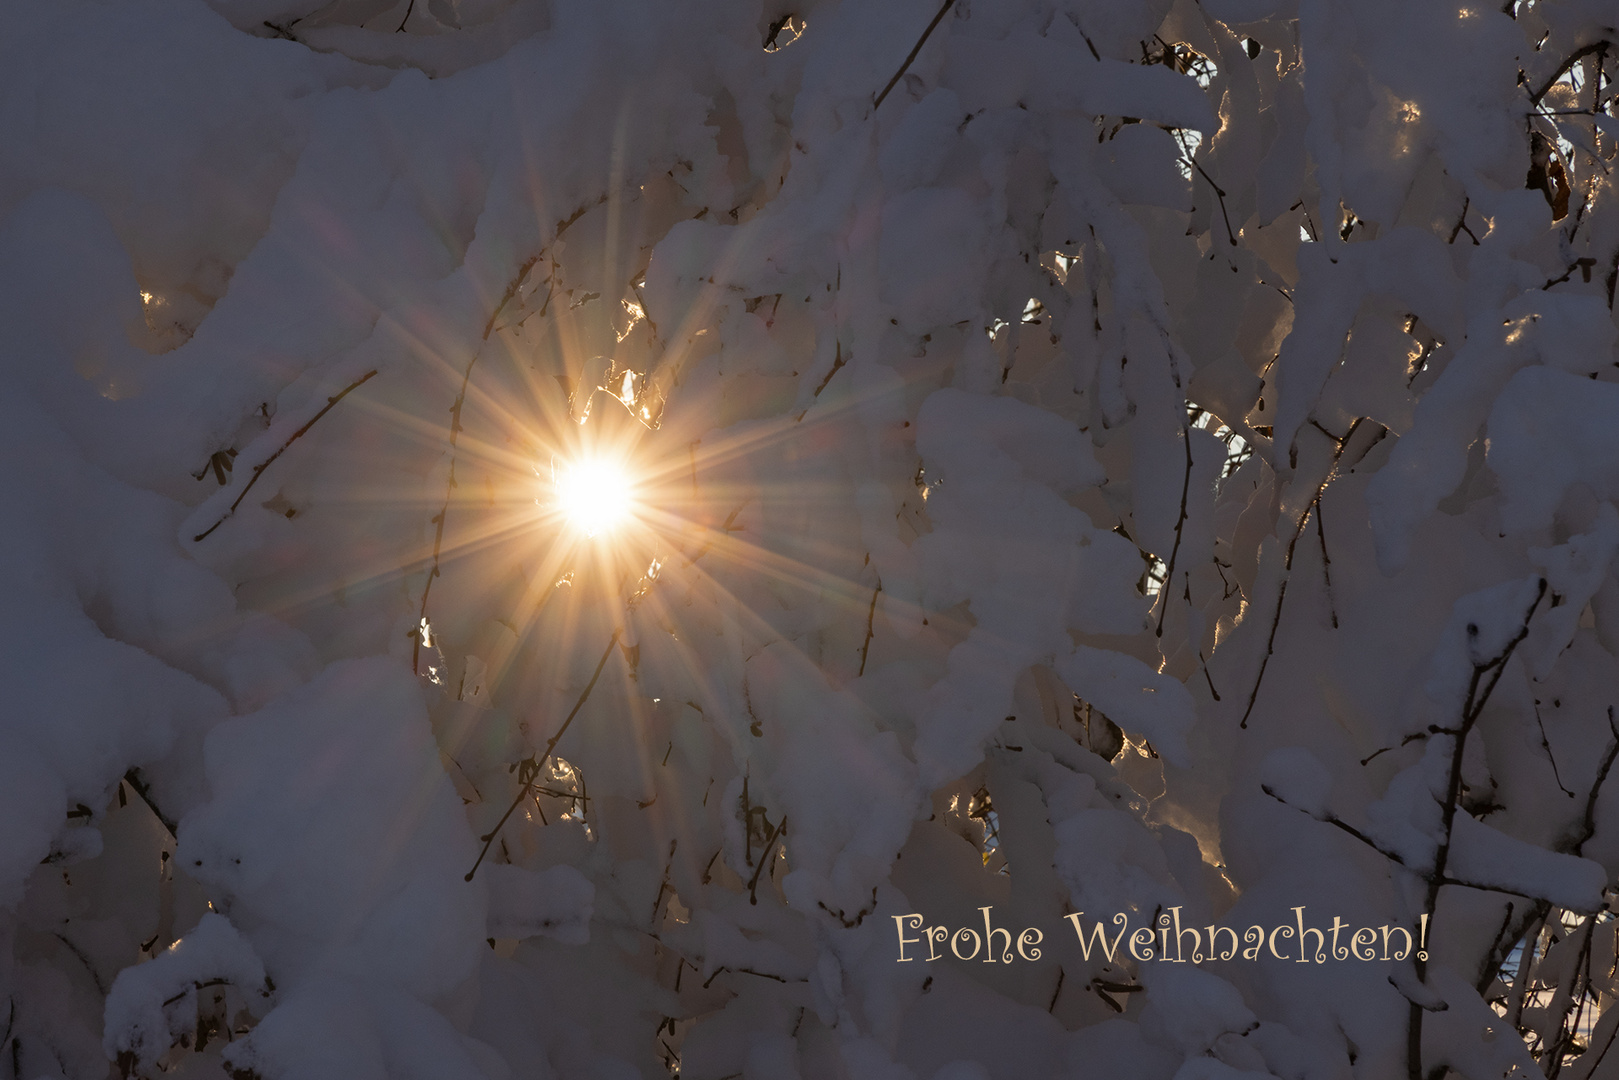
1099, 472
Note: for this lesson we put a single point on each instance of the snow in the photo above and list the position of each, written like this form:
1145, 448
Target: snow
138, 1005
1574, 572
1544, 438
1136, 697
1022, 517
1192, 1008
555, 903
1298, 778
1484, 856
336, 842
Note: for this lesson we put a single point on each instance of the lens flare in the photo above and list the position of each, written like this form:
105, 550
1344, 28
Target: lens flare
594, 495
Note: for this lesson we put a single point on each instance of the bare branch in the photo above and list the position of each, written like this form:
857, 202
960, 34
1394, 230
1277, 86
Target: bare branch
1472, 707
1563, 69
764, 857
528, 786
878, 101
871, 616
1287, 564
1180, 522
137, 784
258, 470
1588, 824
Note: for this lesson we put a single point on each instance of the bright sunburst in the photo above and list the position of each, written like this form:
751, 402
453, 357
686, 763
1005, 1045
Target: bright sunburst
593, 494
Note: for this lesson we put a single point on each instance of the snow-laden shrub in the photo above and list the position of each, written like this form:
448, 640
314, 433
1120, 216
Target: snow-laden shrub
1135, 478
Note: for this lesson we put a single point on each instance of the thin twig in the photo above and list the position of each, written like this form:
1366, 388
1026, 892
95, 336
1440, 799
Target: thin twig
1563, 69
1461, 223
746, 971
1206, 676
725, 527
1583, 265
1339, 823
195, 986
583, 800
95, 976
837, 362
1589, 822
512, 289
528, 787
871, 616
1287, 565
1180, 522
1219, 193
1491, 965
859, 916
258, 470
877, 103
1526, 961
1606, 1046
1394, 856
764, 857
139, 786
1478, 695
1309, 221
1326, 564
1565, 1031
663, 887
1546, 745
1432, 729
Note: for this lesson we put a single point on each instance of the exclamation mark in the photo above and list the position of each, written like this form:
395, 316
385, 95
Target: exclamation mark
1422, 948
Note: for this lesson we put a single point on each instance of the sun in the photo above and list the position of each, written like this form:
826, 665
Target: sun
594, 495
